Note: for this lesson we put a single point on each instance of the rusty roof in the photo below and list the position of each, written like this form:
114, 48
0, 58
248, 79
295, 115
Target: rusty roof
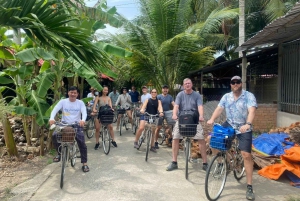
281, 30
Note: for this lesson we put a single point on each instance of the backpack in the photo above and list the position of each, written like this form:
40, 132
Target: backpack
105, 110
188, 121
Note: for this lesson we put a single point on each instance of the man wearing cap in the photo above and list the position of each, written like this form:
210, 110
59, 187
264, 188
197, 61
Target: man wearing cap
240, 106
145, 95
166, 100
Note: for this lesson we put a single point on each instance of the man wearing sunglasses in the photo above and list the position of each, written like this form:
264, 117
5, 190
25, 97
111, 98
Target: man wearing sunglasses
240, 106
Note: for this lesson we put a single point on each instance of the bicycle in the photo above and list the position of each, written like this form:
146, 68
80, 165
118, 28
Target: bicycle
104, 132
123, 119
115, 114
90, 126
229, 158
66, 134
188, 131
170, 124
135, 117
147, 133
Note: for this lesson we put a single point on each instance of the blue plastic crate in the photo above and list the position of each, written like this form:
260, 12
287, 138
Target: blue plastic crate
220, 141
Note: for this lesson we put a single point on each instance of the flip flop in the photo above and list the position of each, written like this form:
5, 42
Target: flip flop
56, 159
85, 168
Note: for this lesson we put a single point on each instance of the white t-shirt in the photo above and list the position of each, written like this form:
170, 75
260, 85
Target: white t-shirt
71, 111
124, 100
145, 97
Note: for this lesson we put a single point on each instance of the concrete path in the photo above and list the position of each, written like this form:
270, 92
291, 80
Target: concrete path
124, 175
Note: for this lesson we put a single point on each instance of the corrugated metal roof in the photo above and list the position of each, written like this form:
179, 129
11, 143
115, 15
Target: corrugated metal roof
283, 29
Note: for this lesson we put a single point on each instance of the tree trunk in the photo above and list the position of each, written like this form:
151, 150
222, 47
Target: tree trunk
9, 138
81, 86
49, 141
26, 130
34, 127
42, 141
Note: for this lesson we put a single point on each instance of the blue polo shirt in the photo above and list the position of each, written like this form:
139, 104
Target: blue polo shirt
134, 96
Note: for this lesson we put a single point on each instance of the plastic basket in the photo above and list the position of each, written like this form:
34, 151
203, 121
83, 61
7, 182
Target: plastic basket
121, 111
188, 130
221, 141
168, 116
151, 119
66, 135
106, 119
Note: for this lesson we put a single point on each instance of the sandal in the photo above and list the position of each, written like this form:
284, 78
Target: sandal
56, 159
85, 168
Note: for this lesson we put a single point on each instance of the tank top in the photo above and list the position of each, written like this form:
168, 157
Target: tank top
102, 102
152, 106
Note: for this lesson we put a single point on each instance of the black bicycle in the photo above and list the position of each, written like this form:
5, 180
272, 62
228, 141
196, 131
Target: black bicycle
123, 119
104, 132
90, 129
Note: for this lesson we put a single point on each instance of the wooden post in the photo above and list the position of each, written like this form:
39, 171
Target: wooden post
244, 70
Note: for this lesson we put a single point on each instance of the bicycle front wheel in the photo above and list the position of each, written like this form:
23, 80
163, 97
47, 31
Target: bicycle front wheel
161, 136
63, 164
121, 125
149, 136
239, 169
90, 128
106, 139
73, 154
215, 177
187, 152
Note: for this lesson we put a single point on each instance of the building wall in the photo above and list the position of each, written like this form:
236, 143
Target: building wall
286, 119
265, 117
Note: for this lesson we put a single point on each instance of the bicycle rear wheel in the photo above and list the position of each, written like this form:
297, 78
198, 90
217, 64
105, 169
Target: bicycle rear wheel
239, 169
106, 139
148, 137
73, 154
63, 164
125, 122
215, 177
115, 116
187, 151
90, 128
121, 124
135, 125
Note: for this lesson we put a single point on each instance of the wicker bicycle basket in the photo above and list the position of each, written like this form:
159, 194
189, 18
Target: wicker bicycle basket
67, 135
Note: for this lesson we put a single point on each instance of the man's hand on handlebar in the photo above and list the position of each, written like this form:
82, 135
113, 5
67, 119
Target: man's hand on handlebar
81, 123
51, 122
210, 122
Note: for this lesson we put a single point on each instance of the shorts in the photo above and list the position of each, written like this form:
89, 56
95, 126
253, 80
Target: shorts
245, 139
199, 135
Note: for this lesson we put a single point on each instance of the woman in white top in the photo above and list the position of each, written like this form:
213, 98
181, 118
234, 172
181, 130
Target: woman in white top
101, 101
125, 100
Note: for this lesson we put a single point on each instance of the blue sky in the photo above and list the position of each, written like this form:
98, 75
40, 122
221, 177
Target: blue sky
128, 8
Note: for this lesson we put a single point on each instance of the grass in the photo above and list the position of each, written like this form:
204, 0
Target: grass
293, 198
49, 161
52, 152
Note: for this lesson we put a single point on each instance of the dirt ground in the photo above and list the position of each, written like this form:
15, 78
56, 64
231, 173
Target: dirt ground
14, 171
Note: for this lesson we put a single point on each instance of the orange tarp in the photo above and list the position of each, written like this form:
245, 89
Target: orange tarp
290, 161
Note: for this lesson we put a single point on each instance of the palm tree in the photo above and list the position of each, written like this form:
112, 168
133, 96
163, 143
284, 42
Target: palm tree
167, 43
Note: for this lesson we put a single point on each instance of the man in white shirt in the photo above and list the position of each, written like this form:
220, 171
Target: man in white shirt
145, 95
73, 110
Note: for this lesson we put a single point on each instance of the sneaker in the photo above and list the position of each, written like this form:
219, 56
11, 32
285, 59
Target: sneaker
204, 166
153, 149
172, 166
136, 146
114, 143
249, 193
156, 145
97, 146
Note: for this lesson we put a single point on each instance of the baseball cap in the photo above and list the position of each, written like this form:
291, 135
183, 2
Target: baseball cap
144, 87
236, 78
165, 86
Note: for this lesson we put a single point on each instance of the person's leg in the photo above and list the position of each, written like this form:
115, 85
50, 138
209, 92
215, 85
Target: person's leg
248, 163
129, 116
111, 131
97, 128
140, 130
175, 148
156, 132
118, 120
57, 147
82, 148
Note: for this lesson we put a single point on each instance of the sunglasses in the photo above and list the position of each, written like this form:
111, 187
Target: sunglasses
235, 82
153, 92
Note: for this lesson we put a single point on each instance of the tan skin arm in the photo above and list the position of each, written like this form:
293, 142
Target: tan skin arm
218, 111
160, 109
95, 103
144, 106
250, 118
175, 111
201, 113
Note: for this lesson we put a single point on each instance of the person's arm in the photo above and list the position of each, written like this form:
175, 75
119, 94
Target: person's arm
95, 104
57, 107
83, 113
144, 106
109, 102
118, 100
218, 111
175, 112
201, 113
160, 109
250, 118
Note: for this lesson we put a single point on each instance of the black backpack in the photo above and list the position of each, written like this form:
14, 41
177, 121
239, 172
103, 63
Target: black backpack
188, 121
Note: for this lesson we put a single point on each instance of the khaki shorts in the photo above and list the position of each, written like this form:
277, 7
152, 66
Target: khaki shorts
199, 135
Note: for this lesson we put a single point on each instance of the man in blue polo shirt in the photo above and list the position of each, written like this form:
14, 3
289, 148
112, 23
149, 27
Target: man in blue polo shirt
134, 95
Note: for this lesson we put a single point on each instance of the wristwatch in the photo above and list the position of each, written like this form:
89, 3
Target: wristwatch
249, 123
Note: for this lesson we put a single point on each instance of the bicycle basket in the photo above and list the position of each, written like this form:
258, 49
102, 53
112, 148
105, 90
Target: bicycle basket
121, 111
151, 119
106, 119
220, 141
168, 116
188, 130
67, 134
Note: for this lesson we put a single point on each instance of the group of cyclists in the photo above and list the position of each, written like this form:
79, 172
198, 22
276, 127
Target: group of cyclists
239, 105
